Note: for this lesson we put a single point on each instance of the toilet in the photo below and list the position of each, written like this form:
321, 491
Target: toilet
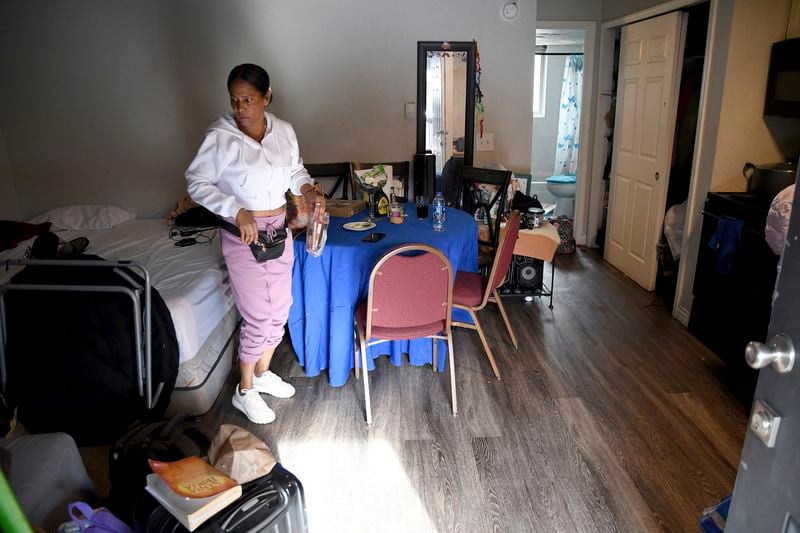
563, 187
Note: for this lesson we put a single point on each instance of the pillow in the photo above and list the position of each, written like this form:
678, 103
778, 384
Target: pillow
12, 232
85, 217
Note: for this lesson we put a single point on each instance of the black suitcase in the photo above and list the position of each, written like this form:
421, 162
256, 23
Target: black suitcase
273, 503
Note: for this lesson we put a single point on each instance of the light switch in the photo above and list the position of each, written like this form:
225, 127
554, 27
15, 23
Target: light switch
485, 143
411, 110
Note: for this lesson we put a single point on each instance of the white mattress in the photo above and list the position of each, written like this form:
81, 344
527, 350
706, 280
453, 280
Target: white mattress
192, 280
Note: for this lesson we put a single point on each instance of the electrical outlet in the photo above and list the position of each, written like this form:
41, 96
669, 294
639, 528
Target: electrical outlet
485, 143
411, 110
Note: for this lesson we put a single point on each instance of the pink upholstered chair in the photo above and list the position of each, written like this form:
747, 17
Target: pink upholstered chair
473, 291
410, 297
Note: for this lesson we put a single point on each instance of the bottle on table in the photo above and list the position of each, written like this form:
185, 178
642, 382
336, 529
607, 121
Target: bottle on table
438, 212
381, 204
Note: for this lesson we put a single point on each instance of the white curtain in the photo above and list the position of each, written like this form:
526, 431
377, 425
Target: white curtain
569, 117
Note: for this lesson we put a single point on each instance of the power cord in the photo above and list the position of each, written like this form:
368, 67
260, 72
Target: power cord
189, 236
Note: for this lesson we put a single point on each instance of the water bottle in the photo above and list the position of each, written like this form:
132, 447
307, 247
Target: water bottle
438, 212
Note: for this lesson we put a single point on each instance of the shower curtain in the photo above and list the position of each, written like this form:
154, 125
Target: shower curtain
569, 117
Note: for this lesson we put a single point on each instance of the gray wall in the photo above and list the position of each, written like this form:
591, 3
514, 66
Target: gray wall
545, 129
569, 9
617, 8
9, 210
106, 101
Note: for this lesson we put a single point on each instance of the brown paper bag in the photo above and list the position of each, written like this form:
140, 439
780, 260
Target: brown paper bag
240, 454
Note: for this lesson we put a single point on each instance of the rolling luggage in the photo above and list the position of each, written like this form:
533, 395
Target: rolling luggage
164, 440
273, 503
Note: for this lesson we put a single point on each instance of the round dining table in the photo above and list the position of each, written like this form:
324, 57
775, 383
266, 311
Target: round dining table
326, 289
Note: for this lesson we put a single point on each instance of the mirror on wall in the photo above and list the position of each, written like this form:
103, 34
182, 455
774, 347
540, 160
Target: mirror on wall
446, 100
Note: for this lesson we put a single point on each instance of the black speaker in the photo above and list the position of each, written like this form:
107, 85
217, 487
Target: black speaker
525, 276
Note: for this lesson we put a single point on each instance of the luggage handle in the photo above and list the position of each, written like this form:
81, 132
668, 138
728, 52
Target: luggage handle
255, 504
168, 429
173, 435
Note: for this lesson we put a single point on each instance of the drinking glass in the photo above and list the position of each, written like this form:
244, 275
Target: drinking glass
422, 207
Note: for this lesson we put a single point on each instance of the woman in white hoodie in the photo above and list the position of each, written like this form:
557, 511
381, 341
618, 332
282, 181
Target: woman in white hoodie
246, 162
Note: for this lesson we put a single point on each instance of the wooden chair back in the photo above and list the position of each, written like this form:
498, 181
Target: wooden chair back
340, 172
470, 179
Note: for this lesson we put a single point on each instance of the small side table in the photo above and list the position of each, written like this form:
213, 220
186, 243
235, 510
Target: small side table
540, 243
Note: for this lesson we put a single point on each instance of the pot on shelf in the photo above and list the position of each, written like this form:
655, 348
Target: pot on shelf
770, 178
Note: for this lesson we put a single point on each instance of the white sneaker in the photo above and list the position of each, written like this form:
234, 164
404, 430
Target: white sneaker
253, 406
270, 383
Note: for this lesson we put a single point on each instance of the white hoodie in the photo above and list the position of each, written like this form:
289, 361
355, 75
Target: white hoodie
232, 171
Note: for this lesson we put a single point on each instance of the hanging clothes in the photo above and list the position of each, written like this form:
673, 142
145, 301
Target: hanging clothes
726, 241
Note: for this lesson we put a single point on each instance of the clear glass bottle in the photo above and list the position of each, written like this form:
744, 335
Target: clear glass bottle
317, 232
438, 212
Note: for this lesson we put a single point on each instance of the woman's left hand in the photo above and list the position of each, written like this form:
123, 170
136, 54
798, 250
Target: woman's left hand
313, 197
247, 226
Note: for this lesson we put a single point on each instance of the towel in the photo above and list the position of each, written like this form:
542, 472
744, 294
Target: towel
726, 241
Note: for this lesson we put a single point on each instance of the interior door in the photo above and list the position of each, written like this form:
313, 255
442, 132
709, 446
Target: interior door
767, 492
650, 52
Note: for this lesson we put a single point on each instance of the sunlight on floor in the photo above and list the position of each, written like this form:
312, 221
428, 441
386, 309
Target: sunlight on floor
389, 503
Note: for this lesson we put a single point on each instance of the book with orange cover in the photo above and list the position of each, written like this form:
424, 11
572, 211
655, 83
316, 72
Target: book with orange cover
192, 477
191, 512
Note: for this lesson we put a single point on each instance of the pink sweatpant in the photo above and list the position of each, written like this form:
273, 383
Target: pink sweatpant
262, 291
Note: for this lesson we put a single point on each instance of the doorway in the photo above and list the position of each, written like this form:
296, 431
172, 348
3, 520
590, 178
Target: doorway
562, 110
671, 242
703, 155
655, 110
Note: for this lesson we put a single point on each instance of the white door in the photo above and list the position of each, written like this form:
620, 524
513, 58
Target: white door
650, 53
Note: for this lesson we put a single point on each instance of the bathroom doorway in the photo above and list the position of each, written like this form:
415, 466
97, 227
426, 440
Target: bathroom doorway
562, 81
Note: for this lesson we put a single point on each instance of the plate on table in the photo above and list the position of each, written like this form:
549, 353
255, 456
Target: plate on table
359, 226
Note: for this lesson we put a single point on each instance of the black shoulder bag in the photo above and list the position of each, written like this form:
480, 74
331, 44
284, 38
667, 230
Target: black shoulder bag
522, 202
269, 245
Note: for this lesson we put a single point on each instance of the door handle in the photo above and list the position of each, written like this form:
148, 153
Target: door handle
779, 352
657, 176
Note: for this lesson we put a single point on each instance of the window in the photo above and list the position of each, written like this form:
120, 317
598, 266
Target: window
539, 84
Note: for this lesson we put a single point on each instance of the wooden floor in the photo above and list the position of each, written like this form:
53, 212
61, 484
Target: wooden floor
610, 416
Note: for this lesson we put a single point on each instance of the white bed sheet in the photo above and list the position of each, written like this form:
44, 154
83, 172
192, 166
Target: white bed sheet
192, 280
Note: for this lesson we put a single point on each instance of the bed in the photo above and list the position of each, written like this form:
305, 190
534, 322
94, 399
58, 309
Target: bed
192, 281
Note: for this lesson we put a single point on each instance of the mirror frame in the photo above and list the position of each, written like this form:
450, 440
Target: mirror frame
423, 47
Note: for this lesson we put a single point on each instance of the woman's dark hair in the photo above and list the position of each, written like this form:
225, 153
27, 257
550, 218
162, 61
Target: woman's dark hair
252, 74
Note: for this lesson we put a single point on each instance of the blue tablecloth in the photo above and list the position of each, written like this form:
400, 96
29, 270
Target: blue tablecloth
326, 289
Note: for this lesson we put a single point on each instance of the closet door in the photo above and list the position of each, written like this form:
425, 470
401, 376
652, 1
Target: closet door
650, 54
